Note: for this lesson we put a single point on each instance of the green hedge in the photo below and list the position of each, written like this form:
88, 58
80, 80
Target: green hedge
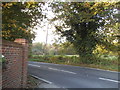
73, 60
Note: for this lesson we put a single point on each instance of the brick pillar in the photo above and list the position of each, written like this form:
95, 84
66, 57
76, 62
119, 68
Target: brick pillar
24, 42
0, 63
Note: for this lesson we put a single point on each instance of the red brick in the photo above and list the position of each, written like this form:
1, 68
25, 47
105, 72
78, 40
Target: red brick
16, 54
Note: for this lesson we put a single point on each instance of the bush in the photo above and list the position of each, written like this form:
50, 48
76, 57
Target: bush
73, 60
55, 59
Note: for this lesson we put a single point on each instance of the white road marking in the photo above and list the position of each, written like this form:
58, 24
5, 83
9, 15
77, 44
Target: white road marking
35, 62
79, 67
62, 70
98, 69
44, 80
34, 65
109, 80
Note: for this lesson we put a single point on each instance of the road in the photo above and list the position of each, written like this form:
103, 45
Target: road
67, 76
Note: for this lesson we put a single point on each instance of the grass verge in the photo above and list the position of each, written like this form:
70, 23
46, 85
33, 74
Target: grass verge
105, 64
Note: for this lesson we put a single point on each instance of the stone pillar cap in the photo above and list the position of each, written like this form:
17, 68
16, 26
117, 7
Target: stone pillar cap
21, 41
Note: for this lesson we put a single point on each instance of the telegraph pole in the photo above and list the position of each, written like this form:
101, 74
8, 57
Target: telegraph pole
46, 40
44, 51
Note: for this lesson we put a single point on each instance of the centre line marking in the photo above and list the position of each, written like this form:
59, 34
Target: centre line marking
109, 80
34, 65
62, 70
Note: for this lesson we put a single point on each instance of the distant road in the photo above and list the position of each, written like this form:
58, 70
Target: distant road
67, 76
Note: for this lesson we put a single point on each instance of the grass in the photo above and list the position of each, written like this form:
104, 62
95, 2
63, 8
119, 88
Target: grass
98, 62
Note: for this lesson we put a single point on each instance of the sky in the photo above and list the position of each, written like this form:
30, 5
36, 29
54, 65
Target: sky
41, 32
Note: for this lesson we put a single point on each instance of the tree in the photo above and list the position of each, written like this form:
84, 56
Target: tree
42, 49
18, 19
82, 24
109, 41
65, 48
37, 48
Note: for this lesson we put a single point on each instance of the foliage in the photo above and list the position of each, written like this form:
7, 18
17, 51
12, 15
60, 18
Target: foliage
109, 43
42, 49
84, 25
18, 19
37, 48
99, 62
101, 50
2, 60
65, 48
56, 59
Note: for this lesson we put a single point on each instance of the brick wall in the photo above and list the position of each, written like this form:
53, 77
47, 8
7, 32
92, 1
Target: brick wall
15, 73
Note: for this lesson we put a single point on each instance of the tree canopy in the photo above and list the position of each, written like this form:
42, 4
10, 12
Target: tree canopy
18, 19
85, 24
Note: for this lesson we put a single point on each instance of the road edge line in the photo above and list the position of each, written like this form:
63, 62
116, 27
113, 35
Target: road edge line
83, 67
33, 65
106, 79
46, 81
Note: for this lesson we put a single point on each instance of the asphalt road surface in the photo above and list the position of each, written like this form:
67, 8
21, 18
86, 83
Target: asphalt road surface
67, 76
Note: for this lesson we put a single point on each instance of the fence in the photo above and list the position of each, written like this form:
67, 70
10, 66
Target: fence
14, 75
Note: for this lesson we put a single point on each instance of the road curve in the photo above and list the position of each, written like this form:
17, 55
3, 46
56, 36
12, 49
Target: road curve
67, 76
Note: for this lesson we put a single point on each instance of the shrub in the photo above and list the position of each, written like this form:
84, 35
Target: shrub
74, 60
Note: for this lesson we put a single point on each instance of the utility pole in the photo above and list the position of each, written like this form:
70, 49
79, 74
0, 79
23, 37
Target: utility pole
46, 40
44, 51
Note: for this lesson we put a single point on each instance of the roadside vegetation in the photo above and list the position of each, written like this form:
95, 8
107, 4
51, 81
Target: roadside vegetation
91, 30
102, 62
64, 53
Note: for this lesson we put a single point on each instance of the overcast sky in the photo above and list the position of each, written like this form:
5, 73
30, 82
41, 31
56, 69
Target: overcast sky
42, 31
